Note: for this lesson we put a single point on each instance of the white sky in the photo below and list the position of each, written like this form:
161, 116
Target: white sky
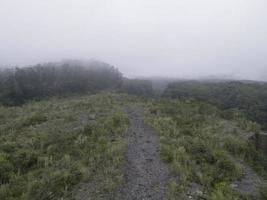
184, 38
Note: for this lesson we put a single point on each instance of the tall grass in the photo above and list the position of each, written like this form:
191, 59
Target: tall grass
48, 147
203, 147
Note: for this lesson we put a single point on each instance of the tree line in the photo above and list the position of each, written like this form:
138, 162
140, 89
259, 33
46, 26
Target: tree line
18, 85
249, 97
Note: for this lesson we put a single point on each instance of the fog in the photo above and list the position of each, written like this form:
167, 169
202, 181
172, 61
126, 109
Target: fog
173, 38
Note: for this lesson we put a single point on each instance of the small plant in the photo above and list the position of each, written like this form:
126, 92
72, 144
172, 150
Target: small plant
222, 191
34, 119
6, 169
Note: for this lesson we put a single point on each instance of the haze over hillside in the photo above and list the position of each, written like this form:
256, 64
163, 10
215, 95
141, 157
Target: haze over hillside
186, 38
133, 99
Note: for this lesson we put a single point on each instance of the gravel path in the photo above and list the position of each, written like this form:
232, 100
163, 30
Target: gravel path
145, 175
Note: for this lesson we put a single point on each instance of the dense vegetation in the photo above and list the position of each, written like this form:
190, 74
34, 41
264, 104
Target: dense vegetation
137, 87
249, 97
17, 85
66, 78
205, 150
47, 147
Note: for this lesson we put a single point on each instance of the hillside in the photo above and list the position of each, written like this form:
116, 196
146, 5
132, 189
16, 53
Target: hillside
81, 130
133, 100
208, 152
247, 96
74, 148
59, 143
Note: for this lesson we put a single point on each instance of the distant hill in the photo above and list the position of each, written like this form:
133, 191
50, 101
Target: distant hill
248, 96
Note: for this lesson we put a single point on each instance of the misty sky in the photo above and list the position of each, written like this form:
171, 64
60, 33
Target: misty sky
183, 38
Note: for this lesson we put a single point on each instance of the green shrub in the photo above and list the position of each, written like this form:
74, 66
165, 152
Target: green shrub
6, 169
222, 191
236, 146
34, 119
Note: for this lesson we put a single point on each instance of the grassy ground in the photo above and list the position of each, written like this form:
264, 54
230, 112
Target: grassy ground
205, 147
48, 147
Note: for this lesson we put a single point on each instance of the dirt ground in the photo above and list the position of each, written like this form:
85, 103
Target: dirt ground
145, 175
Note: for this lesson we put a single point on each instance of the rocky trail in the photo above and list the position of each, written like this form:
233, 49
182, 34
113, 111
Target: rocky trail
145, 175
